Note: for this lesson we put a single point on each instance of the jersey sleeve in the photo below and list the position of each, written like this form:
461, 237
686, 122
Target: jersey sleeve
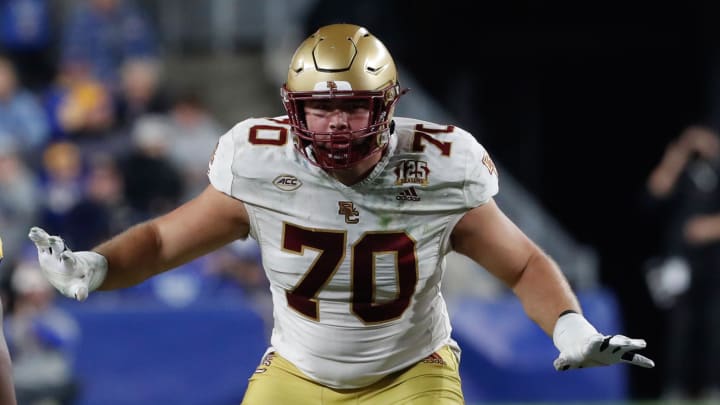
220, 166
481, 176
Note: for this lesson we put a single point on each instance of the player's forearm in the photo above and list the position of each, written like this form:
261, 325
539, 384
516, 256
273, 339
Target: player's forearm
196, 228
544, 292
133, 256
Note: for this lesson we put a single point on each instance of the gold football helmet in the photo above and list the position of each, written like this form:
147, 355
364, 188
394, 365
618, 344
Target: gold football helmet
342, 62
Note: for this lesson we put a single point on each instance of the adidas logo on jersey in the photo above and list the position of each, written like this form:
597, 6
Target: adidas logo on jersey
408, 195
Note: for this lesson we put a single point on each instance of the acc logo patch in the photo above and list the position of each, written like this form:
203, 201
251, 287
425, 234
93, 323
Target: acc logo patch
287, 182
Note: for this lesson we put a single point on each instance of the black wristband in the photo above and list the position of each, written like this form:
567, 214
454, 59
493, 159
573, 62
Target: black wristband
567, 311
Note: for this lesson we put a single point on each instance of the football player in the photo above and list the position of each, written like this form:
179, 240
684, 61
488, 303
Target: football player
354, 210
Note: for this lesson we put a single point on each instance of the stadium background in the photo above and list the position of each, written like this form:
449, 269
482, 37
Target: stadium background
576, 102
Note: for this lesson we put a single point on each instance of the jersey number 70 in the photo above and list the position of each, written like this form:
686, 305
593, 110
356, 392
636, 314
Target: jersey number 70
331, 248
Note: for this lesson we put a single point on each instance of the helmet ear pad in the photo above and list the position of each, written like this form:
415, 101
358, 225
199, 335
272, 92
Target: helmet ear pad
341, 62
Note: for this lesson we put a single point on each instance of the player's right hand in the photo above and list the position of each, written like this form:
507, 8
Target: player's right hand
74, 274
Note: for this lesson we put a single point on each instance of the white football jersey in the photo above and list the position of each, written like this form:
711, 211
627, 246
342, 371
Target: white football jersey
355, 271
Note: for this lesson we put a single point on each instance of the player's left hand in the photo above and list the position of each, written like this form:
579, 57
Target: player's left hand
581, 346
599, 350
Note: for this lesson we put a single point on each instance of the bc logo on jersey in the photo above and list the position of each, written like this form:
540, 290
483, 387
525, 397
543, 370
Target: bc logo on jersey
348, 209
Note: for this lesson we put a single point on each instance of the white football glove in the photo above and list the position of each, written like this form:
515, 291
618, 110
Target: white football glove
74, 274
581, 346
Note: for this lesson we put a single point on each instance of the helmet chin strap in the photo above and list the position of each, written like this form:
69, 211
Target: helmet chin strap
310, 153
384, 137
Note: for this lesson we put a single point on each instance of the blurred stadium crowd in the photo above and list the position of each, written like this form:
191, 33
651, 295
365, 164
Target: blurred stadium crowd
92, 141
